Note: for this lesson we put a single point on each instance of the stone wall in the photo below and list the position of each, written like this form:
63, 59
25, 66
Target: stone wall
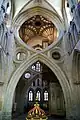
56, 100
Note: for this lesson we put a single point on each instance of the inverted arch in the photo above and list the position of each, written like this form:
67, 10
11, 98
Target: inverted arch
52, 16
24, 16
7, 107
21, 18
37, 10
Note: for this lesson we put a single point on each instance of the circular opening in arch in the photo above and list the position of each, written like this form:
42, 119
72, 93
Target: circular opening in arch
27, 75
56, 55
20, 56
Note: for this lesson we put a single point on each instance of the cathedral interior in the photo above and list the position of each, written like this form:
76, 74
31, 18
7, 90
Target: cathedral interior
39, 60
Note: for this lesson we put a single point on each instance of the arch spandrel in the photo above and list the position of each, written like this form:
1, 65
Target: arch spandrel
22, 6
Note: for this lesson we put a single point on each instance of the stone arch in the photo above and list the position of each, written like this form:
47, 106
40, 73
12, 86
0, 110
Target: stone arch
7, 106
31, 89
24, 16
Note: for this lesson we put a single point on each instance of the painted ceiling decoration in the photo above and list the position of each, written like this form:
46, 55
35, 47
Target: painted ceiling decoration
38, 32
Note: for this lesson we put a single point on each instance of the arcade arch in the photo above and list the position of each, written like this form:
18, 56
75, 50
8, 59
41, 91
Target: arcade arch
7, 106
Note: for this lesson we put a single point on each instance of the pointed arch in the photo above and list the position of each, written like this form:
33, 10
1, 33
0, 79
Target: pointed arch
46, 95
7, 106
31, 94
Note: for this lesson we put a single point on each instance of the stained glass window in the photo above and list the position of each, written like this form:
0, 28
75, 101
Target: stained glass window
38, 95
30, 95
45, 96
36, 67
33, 67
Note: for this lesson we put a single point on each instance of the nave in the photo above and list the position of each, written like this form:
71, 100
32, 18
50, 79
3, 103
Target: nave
44, 95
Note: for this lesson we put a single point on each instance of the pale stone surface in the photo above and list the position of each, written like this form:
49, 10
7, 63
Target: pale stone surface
11, 71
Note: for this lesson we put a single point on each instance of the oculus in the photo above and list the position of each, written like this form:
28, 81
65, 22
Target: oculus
56, 55
27, 75
20, 56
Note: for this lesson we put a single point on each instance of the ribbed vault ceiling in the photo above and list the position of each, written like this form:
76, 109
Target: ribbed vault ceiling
38, 32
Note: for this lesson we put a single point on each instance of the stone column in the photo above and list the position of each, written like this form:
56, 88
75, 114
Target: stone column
60, 101
56, 100
6, 116
0, 115
1, 99
22, 103
10, 49
52, 99
18, 99
76, 106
